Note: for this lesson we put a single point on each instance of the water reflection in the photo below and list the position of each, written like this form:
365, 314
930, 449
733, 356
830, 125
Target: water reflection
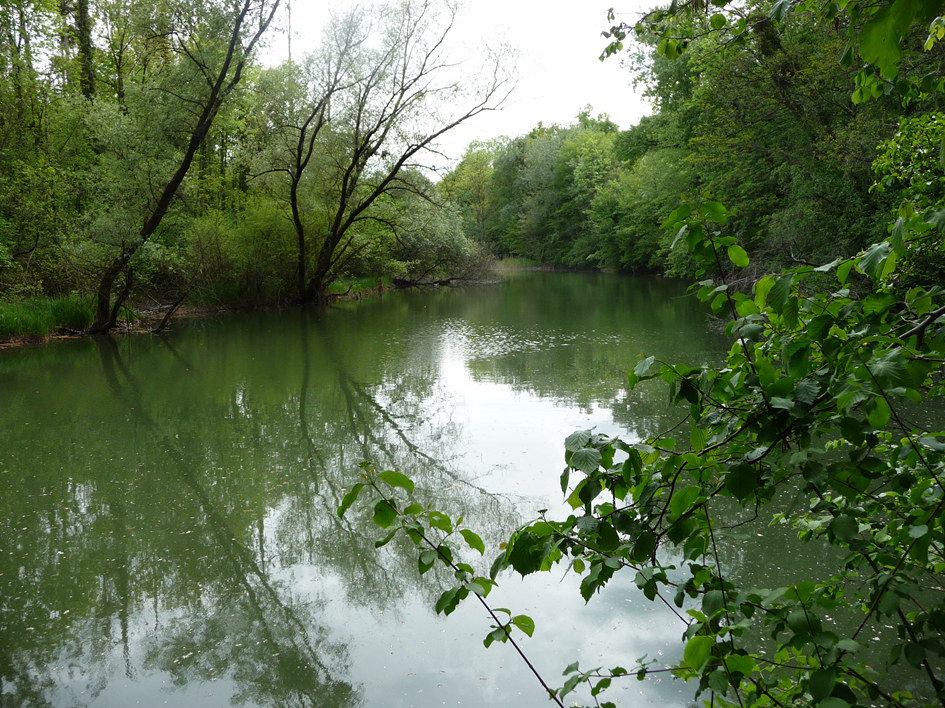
168, 521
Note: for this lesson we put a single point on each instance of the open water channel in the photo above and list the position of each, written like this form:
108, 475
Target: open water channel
168, 533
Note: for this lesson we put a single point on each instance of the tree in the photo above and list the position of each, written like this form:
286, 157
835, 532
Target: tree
206, 50
470, 186
405, 94
301, 108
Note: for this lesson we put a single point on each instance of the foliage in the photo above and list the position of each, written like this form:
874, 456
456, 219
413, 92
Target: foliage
914, 158
814, 402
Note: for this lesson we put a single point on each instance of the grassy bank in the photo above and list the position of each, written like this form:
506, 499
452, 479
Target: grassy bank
40, 317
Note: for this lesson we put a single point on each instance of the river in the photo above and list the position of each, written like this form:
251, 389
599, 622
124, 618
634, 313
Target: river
168, 531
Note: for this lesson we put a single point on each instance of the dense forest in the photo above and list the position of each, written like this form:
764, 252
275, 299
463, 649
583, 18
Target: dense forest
766, 127
148, 155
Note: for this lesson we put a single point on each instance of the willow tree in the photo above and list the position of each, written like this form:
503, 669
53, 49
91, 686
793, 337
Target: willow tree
199, 55
406, 91
296, 101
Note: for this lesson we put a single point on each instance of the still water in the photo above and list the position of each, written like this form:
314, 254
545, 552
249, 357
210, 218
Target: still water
168, 533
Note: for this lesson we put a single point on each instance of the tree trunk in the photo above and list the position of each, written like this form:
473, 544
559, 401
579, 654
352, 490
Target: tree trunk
103, 298
83, 26
222, 83
125, 292
300, 234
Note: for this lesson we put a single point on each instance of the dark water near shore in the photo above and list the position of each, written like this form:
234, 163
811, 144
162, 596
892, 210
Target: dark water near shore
168, 531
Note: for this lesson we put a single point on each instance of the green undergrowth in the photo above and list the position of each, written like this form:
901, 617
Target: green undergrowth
41, 316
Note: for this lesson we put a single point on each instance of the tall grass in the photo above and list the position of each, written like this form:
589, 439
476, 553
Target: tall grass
40, 316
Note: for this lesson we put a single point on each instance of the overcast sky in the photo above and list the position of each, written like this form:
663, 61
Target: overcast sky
559, 42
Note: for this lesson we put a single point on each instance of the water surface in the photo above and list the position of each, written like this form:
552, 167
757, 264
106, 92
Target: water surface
168, 531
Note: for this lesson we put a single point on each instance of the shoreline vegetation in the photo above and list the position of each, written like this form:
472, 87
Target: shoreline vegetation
39, 320
35, 321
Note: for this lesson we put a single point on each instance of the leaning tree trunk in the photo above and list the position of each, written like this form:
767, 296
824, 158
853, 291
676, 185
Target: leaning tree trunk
221, 84
103, 297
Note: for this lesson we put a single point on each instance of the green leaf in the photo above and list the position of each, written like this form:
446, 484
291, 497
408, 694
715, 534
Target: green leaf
449, 600
682, 500
880, 36
807, 391
717, 21
897, 237
697, 652
844, 527
441, 521
891, 371
396, 479
889, 603
762, 289
718, 682
872, 261
715, 211
643, 370
425, 560
698, 438
822, 683
384, 541
608, 540
780, 9
741, 481
780, 293
932, 444
712, 602
738, 256
880, 414
833, 702
587, 460
642, 549
843, 271
496, 635
524, 623
578, 439
350, 498
384, 513
740, 663
878, 303
474, 541
849, 645
915, 655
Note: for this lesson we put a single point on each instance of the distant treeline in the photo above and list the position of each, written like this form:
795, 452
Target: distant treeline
767, 127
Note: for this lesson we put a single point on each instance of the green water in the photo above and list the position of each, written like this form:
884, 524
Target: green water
168, 531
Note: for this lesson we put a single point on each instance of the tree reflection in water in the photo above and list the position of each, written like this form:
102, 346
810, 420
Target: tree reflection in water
169, 494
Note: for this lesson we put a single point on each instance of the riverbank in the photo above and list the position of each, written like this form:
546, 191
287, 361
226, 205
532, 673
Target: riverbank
38, 321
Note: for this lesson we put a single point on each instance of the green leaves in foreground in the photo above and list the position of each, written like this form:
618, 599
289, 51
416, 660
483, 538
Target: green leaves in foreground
811, 408
435, 536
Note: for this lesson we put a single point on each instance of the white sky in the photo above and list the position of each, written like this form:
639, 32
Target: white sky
559, 42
